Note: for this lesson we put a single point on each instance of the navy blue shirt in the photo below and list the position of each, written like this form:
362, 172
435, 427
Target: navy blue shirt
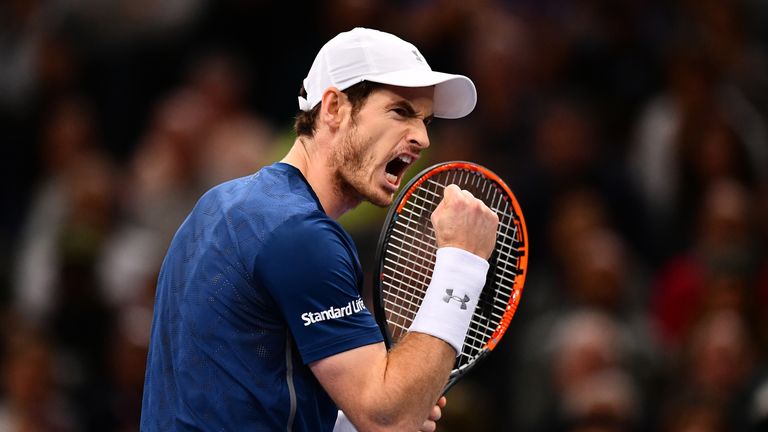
258, 282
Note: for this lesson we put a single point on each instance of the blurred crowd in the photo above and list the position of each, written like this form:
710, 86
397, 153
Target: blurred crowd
634, 135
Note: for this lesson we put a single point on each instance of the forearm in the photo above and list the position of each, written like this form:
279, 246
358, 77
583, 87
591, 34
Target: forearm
414, 377
380, 390
413, 374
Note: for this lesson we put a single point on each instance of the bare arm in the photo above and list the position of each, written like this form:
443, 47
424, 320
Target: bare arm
388, 391
396, 390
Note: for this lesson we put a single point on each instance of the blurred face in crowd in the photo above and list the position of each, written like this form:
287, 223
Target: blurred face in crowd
721, 355
380, 142
27, 374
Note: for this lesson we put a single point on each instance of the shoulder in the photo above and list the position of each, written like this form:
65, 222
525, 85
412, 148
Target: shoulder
306, 249
314, 235
261, 202
278, 184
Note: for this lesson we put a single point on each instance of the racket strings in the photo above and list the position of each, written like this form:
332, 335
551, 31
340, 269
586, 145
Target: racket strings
410, 256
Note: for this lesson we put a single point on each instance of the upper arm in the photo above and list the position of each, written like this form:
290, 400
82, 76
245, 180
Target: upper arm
310, 270
351, 377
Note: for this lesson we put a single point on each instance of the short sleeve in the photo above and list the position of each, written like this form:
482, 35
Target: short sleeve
309, 266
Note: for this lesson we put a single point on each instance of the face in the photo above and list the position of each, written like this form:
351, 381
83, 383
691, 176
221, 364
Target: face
379, 144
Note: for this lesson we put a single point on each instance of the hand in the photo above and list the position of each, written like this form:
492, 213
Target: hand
430, 424
465, 222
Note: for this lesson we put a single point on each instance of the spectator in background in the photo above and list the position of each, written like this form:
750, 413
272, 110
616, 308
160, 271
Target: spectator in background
80, 320
20, 44
606, 401
569, 153
74, 193
709, 150
40, 60
237, 141
162, 179
579, 373
592, 264
31, 401
726, 30
592, 280
57, 289
718, 271
693, 416
716, 367
201, 134
126, 360
698, 129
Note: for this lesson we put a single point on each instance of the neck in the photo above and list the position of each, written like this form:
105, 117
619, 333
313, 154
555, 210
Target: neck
315, 166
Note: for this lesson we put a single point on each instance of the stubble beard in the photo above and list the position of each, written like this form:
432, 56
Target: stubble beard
350, 174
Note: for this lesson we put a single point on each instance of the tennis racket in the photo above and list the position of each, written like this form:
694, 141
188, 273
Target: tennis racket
406, 258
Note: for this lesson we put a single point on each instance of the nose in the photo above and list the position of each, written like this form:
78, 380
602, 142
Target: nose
418, 136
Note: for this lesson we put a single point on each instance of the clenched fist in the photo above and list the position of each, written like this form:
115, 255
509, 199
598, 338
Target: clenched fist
465, 222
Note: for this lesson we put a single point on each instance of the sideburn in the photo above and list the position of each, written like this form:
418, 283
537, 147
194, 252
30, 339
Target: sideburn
349, 158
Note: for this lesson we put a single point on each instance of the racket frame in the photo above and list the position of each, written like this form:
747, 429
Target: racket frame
394, 212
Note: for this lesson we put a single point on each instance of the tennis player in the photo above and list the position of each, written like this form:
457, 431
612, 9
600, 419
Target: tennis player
258, 320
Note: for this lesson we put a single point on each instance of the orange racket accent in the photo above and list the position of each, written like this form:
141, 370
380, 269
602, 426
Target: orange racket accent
518, 287
445, 167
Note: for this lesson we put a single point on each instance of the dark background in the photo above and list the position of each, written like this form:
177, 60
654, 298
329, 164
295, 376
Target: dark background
633, 134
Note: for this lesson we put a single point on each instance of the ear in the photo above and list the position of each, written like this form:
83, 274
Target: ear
333, 107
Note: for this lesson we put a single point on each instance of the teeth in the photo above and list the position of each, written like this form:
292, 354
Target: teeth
405, 158
391, 178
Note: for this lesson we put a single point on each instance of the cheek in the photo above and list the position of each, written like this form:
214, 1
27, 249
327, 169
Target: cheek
370, 152
356, 158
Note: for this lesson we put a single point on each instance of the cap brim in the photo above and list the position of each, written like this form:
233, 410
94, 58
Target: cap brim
455, 95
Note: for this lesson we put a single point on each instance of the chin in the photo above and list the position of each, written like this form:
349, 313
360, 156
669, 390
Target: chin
364, 190
380, 200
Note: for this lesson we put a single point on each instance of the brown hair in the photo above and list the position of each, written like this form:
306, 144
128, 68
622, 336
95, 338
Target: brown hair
304, 124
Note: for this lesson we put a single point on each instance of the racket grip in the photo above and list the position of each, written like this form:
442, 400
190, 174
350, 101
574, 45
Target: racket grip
451, 297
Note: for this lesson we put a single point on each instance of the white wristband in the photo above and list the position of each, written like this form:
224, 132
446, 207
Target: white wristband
343, 424
451, 297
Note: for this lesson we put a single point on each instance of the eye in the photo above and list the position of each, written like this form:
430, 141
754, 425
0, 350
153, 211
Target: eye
400, 111
428, 121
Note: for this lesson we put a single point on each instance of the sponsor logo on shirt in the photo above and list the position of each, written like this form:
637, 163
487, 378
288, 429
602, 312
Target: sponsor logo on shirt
352, 307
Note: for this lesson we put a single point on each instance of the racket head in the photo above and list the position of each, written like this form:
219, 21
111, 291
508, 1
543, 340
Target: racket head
406, 250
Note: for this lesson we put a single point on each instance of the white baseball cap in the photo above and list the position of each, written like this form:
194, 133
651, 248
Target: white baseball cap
364, 54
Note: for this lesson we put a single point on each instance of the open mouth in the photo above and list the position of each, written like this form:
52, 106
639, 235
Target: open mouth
396, 167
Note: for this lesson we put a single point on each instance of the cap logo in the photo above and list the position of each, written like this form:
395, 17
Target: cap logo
418, 57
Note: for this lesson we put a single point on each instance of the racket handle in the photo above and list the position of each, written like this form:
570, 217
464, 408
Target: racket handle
459, 373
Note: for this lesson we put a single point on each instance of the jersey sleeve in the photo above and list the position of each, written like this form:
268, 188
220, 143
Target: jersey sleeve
310, 268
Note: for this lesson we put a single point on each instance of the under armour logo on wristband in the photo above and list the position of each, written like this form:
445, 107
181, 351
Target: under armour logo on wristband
449, 296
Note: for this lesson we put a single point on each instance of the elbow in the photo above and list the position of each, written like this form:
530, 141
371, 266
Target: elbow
387, 425
388, 421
